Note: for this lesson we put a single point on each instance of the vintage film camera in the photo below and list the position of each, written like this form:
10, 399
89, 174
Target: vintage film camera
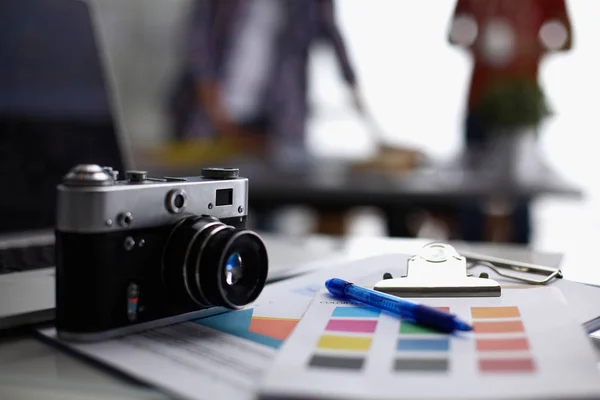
145, 252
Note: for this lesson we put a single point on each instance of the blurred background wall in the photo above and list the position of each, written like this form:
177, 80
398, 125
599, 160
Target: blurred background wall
414, 82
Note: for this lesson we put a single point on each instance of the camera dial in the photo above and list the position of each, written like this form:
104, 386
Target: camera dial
88, 175
209, 263
220, 173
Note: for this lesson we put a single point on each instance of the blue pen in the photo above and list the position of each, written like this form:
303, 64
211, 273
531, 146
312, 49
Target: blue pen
420, 314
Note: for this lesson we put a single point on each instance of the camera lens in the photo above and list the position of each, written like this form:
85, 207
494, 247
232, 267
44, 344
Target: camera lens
238, 260
233, 269
213, 264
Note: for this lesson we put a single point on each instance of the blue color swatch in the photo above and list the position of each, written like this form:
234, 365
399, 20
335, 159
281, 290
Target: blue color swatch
237, 323
356, 312
423, 344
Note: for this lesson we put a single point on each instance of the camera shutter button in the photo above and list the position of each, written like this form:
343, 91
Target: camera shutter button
136, 176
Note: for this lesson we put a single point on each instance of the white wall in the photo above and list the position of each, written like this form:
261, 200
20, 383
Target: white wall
413, 81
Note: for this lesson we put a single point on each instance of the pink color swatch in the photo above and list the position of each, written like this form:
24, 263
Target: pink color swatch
351, 325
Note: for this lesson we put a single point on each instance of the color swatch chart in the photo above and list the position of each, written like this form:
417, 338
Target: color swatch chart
347, 338
524, 343
420, 349
349, 333
501, 341
499, 338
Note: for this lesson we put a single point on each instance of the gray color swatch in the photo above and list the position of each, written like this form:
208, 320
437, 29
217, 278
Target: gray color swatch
337, 362
410, 364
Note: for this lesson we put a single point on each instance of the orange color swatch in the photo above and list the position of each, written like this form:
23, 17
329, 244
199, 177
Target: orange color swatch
276, 328
495, 312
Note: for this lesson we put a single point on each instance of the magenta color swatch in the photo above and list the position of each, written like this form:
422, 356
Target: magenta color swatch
352, 325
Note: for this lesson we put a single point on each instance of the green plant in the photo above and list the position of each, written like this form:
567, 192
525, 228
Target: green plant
513, 103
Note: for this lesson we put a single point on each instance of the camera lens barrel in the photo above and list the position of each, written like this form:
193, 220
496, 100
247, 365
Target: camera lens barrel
209, 263
250, 271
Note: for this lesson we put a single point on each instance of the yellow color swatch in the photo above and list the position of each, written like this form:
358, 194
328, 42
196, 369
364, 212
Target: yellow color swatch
495, 312
344, 342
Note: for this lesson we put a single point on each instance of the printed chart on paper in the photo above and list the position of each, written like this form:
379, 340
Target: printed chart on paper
524, 343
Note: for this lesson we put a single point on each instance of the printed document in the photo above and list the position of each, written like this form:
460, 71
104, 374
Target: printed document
524, 344
225, 356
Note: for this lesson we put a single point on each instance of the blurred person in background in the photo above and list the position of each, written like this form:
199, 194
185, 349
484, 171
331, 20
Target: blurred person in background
506, 40
245, 72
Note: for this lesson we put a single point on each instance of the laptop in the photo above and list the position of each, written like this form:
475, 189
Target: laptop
55, 113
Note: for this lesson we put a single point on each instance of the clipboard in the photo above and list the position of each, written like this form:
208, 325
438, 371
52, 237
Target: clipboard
438, 270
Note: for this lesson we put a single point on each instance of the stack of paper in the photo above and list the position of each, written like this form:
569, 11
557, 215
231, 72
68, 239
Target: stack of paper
228, 356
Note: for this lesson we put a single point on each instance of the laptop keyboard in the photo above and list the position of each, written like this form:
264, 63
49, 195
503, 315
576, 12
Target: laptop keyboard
17, 259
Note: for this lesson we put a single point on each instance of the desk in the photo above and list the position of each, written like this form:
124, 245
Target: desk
33, 370
333, 186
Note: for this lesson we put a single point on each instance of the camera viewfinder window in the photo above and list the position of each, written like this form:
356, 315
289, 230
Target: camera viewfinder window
224, 197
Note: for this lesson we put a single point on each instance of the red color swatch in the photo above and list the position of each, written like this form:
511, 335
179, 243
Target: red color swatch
502, 344
498, 326
507, 365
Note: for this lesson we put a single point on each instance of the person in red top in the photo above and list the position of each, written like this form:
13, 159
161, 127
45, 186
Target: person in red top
506, 39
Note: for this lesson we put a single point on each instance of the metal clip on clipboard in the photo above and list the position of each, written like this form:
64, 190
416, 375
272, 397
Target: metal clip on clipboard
439, 271
497, 263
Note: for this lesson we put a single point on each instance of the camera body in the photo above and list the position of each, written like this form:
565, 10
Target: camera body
145, 252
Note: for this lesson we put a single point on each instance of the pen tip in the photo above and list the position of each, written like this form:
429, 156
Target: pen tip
463, 326
336, 286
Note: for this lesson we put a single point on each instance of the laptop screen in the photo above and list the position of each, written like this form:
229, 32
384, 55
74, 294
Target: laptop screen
54, 107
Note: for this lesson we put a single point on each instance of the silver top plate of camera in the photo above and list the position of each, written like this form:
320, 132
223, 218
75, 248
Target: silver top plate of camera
92, 200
